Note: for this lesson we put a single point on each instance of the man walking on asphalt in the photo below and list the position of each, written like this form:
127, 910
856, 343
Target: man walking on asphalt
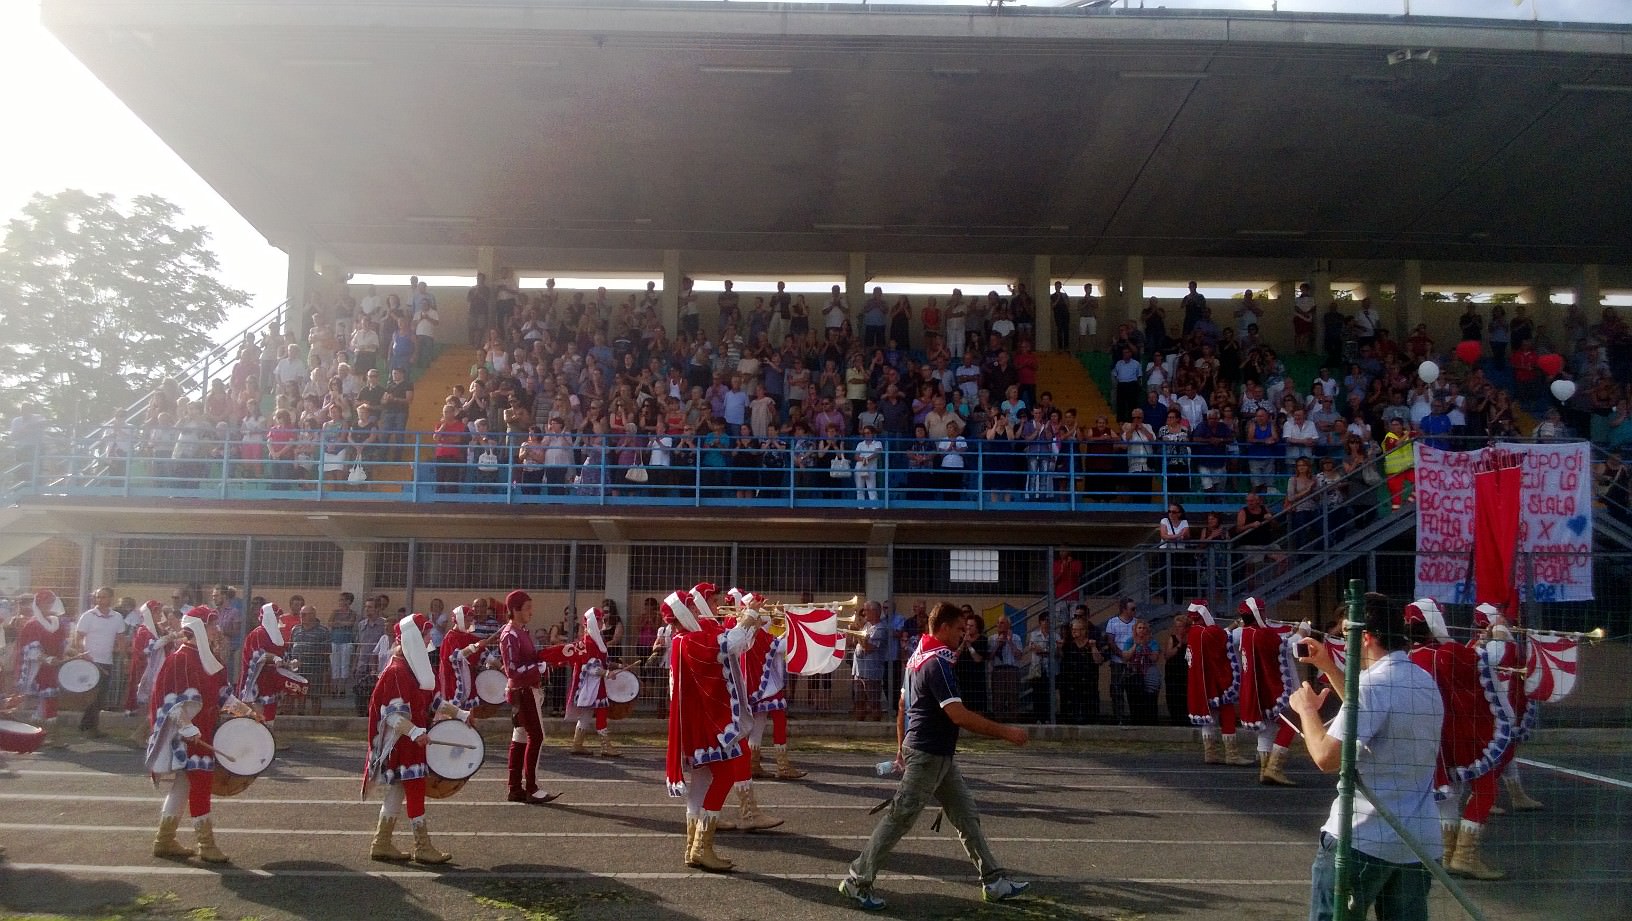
926, 727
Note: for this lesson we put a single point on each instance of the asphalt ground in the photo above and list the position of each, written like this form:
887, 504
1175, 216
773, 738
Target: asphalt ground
1106, 829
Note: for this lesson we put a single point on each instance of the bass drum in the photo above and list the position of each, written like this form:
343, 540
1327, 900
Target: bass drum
76, 679
622, 689
244, 748
490, 687
20, 738
454, 752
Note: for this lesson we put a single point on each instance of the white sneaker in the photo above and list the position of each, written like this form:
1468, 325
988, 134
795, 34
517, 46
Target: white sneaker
1003, 889
864, 898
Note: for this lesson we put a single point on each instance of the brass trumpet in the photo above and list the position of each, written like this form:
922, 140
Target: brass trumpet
773, 614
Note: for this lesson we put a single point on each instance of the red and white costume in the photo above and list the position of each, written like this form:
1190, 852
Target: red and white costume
708, 705
400, 712
455, 676
1470, 743
1507, 656
1269, 675
765, 675
148, 649
586, 694
263, 653
1215, 684
41, 642
189, 693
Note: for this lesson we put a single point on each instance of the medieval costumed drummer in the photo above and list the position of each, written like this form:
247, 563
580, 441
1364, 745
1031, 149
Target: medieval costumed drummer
41, 641
400, 713
586, 697
1215, 686
149, 647
1269, 675
189, 694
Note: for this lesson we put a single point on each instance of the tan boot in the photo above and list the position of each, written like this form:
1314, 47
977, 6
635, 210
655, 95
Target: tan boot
1272, 769
204, 831
756, 766
382, 848
165, 843
1466, 861
1447, 837
1209, 751
784, 765
608, 750
578, 747
424, 850
691, 838
752, 818
1232, 754
1522, 801
702, 856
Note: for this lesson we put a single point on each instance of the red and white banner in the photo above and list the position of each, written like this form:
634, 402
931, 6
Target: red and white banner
1555, 519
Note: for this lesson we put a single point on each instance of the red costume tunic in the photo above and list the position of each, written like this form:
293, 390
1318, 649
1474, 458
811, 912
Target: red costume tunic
587, 693
258, 669
1268, 675
765, 673
1469, 742
706, 707
455, 680
1214, 677
36, 641
146, 658
184, 692
397, 698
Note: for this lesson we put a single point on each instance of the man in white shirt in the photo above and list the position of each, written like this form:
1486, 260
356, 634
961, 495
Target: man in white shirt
1300, 436
1193, 406
1397, 748
96, 634
1118, 630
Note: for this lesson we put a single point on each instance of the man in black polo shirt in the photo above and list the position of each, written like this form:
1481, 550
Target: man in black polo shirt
926, 728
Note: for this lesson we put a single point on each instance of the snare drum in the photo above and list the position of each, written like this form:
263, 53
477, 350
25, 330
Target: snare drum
622, 688
78, 676
291, 683
453, 752
243, 749
20, 738
490, 688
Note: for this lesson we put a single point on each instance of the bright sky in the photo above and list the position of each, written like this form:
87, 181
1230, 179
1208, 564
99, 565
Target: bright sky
71, 132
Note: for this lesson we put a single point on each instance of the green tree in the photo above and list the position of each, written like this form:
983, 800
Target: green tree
97, 304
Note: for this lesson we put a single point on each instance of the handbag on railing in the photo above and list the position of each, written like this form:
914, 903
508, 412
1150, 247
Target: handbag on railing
1370, 475
637, 475
486, 462
357, 475
839, 469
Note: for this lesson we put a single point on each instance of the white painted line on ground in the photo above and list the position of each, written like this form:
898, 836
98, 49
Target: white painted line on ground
365, 832
1584, 775
863, 804
474, 873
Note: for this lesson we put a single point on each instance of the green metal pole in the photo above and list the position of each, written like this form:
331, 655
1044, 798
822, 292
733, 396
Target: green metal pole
1346, 774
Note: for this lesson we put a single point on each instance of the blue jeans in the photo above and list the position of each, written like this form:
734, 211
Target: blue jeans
1398, 890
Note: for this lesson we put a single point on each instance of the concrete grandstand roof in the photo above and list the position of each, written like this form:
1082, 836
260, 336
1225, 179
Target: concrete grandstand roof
406, 133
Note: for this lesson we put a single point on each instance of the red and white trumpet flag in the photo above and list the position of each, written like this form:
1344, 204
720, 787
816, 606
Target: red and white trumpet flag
1551, 668
812, 639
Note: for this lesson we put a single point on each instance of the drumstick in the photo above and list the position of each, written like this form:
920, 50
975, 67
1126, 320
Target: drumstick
447, 743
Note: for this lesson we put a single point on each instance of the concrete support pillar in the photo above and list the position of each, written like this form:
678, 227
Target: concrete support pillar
855, 291
880, 551
1133, 289
617, 584
1549, 320
671, 290
355, 557
1279, 329
1408, 297
1041, 284
487, 263
297, 289
1589, 288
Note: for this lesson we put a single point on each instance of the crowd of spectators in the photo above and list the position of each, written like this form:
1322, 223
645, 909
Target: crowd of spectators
576, 392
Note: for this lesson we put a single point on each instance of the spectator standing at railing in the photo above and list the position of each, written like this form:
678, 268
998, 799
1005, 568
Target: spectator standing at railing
449, 454
1176, 670
970, 664
1040, 645
1141, 658
1399, 462
869, 664
1118, 631
1005, 653
1067, 577
1263, 448
1080, 658
1301, 506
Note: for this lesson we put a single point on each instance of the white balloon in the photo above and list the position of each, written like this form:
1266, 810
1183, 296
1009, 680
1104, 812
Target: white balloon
1563, 390
1428, 371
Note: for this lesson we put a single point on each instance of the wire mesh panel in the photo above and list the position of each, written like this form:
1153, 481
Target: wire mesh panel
785, 572
662, 568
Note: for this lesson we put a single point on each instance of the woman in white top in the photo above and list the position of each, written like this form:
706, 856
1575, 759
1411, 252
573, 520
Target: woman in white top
957, 313
1175, 528
951, 450
868, 452
1137, 436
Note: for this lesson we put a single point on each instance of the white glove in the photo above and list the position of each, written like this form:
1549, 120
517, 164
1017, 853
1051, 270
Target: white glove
189, 731
415, 734
471, 650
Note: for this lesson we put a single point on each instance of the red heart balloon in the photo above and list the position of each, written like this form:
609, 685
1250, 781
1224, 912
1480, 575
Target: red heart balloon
1468, 351
1550, 364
